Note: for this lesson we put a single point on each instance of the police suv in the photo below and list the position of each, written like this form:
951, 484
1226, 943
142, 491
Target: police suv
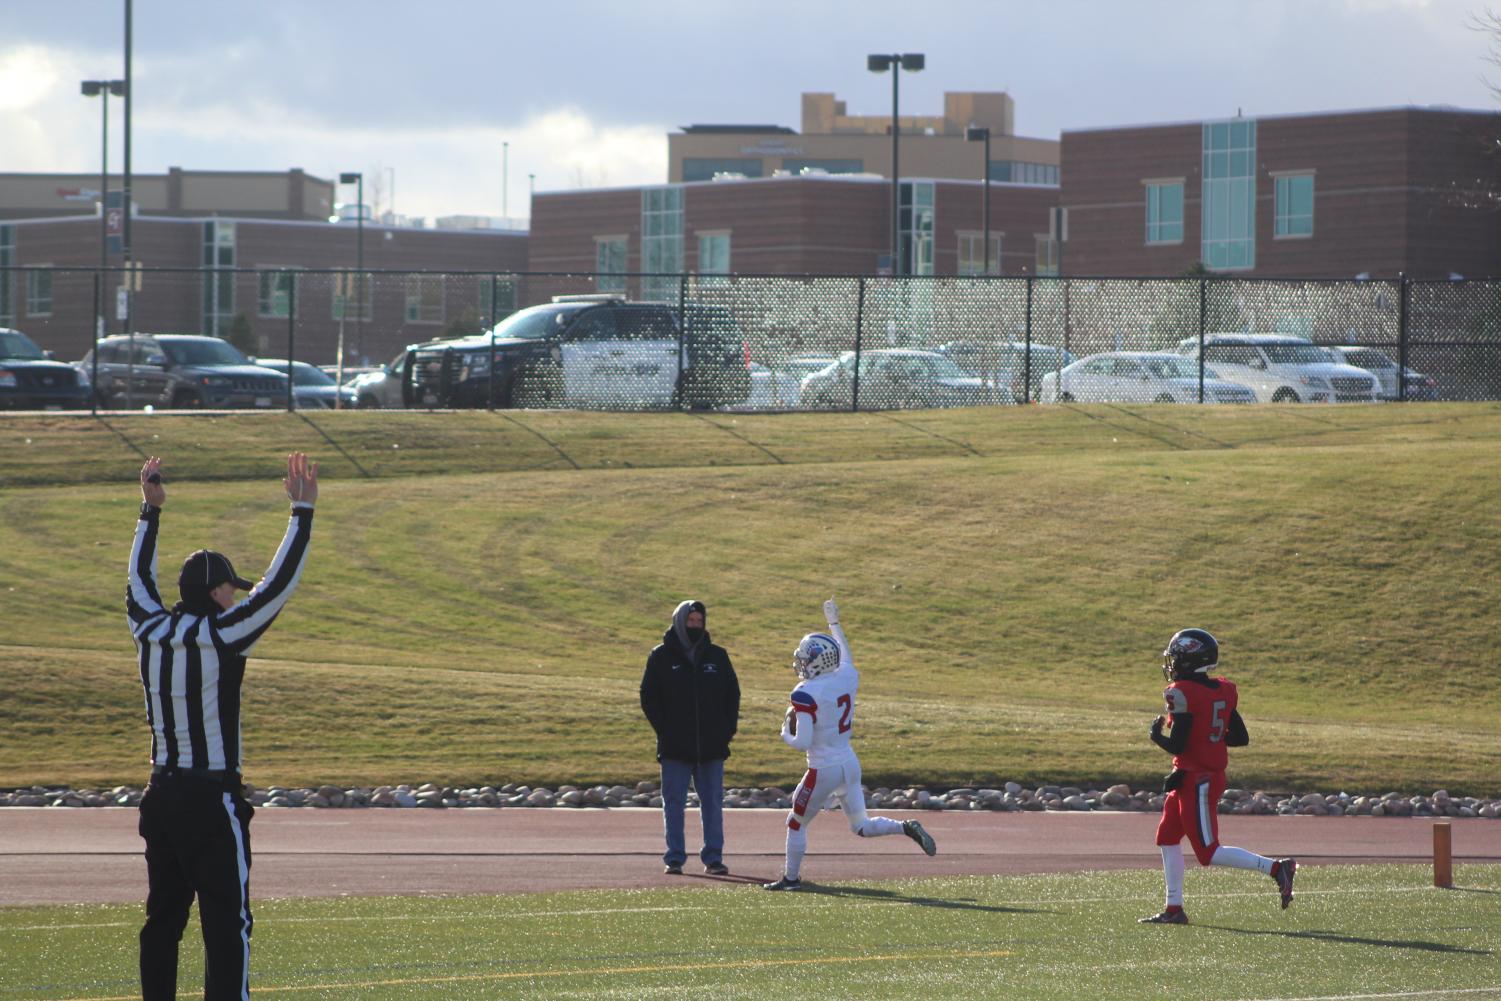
590, 351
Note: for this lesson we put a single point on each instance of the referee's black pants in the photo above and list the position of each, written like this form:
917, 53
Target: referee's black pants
197, 834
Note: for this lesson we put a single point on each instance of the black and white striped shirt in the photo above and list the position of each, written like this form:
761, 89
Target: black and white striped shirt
192, 665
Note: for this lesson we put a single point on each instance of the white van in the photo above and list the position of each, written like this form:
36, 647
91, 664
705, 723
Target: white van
1280, 368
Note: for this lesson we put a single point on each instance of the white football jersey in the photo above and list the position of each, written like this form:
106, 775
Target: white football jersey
828, 703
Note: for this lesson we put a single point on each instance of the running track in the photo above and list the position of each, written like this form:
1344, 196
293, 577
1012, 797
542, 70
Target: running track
93, 855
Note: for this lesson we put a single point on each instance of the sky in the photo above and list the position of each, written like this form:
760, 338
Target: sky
459, 107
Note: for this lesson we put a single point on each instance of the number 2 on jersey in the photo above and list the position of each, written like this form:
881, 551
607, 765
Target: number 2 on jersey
844, 718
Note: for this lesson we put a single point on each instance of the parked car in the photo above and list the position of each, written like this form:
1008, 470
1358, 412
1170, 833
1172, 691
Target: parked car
384, 386
181, 370
589, 351
1138, 377
1004, 363
30, 379
894, 379
312, 388
1281, 368
779, 387
1380, 365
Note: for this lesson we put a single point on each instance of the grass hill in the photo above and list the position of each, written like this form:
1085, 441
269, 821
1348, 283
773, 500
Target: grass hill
484, 588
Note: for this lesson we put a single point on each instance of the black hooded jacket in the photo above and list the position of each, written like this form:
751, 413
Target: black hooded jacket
690, 694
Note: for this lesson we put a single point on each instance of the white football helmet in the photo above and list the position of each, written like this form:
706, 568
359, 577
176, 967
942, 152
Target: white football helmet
816, 654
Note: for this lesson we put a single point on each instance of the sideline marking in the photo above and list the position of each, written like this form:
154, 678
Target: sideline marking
741, 964
812, 902
1395, 994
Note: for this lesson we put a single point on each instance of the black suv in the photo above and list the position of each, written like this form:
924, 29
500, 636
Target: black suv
181, 370
31, 380
589, 351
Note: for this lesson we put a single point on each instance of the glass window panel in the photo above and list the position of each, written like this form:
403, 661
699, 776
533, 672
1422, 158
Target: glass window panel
1302, 196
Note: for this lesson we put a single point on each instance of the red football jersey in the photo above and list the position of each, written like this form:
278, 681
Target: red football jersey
1211, 708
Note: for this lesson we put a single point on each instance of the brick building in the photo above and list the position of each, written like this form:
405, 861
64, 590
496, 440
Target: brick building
1376, 193
805, 224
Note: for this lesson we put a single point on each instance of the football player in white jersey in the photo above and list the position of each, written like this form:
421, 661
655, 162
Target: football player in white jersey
819, 720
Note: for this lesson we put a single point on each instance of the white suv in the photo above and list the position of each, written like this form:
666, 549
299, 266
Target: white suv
1281, 368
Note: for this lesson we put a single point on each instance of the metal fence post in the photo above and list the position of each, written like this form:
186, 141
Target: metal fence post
859, 329
1027, 349
1203, 312
682, 338
94, 355
490, 388
1402, 292
291, 335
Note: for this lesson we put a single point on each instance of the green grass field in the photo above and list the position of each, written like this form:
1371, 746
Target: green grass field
484, 588
1373, 931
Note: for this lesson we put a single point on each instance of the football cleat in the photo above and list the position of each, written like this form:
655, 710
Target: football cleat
783, 884
1283, 872
1178, 917
924, 840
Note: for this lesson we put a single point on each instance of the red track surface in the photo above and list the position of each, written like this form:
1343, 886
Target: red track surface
93, 855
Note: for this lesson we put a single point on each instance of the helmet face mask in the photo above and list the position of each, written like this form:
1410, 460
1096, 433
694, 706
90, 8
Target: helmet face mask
816, 654
1190, 652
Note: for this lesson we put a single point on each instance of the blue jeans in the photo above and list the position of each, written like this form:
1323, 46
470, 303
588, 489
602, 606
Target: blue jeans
708, 779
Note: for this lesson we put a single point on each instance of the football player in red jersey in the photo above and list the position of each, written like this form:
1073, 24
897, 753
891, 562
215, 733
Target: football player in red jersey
1203, 724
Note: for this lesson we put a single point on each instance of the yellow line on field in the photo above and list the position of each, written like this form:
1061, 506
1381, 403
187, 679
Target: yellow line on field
742, 964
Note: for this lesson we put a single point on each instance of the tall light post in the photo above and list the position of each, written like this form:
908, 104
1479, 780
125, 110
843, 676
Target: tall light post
505, 179
103, 89
895, 62
980, 133
357, 178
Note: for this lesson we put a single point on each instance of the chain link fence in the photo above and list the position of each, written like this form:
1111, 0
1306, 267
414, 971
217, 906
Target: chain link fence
409, 339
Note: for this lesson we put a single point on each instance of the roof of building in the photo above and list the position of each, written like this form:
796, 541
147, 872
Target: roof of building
738, 129
1436, 109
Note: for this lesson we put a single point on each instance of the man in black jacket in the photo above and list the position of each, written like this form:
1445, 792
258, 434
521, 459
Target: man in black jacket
691, 696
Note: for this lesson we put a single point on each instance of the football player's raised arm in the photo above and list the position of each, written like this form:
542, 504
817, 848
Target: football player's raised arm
831, 615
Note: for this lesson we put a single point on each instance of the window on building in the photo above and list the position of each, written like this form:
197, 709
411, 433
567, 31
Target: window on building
714, 253
1229, 210
1047, 254
354, 294
699, 168
497, 299
661, 242
915, 244
1019, 172
1294, 214
7, 260
609, 263
218, 261
1164, 211
39, 292
972, 253
824, 166
424, 299
275, 297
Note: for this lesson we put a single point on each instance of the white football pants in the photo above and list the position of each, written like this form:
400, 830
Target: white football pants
842, 781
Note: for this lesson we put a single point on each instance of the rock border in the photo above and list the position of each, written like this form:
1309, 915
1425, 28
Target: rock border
1010, 797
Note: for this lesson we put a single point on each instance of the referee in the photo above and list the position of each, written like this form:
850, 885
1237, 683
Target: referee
194, 816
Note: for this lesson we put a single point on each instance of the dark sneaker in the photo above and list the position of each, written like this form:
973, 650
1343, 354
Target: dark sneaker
1283, 871
1178, 917
924, 840
717, 869
783, 884
672, 870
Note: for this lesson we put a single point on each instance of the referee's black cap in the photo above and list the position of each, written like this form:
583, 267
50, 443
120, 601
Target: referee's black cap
205, 570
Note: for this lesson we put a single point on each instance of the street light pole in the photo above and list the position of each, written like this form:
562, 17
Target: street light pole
505, 178
896, 62
357, 178
102, 89
976, 133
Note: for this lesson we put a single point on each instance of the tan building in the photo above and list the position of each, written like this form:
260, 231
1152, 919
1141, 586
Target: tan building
245, 194
835, 142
